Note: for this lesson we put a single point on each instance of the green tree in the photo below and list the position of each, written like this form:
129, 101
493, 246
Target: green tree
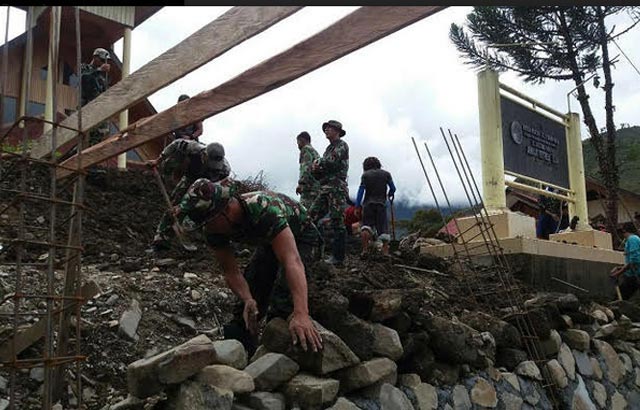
427, 221
560, 43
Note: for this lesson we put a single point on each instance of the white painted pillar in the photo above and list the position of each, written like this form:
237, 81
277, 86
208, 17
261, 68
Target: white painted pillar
493, 190
576, 173
54, 30
126, 64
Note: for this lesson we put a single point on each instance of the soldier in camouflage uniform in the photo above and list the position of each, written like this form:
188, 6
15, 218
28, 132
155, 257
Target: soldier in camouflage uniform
93, 77
284, 237
331, 171
185, 161
191, 131
308, 186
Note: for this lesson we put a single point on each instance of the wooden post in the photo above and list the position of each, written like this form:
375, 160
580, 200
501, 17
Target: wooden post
124, 115
54, 28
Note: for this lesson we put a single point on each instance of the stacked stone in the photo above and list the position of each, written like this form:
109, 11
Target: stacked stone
413, 362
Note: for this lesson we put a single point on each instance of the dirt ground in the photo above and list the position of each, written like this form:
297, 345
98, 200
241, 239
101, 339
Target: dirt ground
180, 293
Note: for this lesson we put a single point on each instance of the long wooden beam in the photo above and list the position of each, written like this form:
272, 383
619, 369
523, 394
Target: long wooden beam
356, 30
212, 40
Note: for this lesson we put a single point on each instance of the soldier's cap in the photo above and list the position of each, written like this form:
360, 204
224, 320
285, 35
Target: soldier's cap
213, 198
183, 97
215, 155
102, 53
335, 124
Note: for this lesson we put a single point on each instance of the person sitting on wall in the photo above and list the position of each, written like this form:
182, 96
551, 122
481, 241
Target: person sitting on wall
630, 271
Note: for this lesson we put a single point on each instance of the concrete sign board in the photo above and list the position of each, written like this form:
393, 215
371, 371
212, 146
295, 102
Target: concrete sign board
534, 145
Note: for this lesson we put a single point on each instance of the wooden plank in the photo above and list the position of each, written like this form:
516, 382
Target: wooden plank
356, 30
32, 334
214, 39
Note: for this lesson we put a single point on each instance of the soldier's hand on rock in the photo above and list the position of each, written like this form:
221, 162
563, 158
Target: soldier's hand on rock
250, 315
302, 330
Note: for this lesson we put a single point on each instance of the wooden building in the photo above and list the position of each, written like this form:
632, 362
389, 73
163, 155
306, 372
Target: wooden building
628, 206
100, 26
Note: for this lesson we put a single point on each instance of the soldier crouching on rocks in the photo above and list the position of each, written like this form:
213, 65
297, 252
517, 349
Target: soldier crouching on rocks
285, 238
185, 161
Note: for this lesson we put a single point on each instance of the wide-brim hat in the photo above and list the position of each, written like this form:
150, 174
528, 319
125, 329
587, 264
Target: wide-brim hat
335, 124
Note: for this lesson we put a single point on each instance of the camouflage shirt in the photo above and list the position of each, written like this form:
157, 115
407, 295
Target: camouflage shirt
94, 82
188, 157
266, 213
307, 181
334, 165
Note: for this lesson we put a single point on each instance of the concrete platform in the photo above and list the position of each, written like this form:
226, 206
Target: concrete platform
536, 261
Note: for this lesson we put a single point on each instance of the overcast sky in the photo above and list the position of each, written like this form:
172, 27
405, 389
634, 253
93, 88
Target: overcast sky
407, 84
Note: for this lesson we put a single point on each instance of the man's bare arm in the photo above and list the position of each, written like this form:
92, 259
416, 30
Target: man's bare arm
236, 282
300, 326
198, 130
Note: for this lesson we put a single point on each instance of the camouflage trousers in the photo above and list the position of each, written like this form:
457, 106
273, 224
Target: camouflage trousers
268, 284
164, 231
308, 197
332, 200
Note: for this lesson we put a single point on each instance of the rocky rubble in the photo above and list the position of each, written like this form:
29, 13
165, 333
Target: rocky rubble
395, 338
591, 369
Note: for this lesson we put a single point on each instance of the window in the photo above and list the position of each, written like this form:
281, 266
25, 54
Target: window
133, 155
34, 109
9, 110
69, 76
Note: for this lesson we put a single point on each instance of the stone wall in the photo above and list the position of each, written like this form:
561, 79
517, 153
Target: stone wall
475, 361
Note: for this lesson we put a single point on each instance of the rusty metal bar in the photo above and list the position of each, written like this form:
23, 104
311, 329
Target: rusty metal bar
5, 66
40, 243
23, 187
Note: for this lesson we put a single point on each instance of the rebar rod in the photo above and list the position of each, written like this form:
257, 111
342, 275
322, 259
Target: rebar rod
523, 321
5, 66
455, 221
437, 203
23, 188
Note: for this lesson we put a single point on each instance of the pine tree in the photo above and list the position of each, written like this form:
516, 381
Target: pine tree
560, 43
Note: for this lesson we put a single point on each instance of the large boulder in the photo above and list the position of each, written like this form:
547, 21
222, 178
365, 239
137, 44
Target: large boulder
510, 358
386, 342
334, 355
146, 377
366, 374
615, 368
271, 370
376, 305
392, 398
331, 309
537, 318
624, 307
505, 334
310, 392
484, 394
266, 401
577, 339
226, 377
418, 357
231, 353
457, 343
193, 395
565, 302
